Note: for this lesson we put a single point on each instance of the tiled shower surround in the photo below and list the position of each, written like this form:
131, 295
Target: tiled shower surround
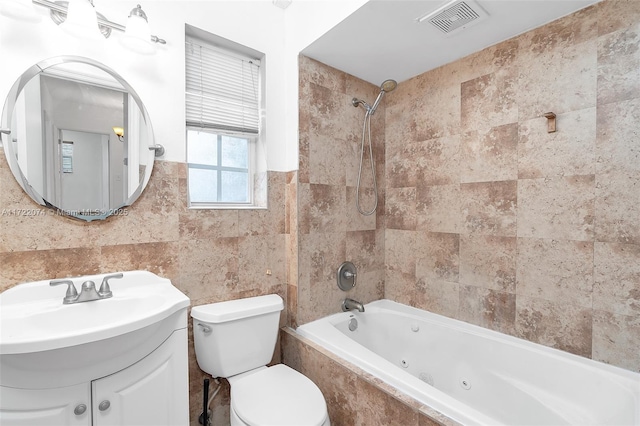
494, 221
329, 228
483, 216
487, 217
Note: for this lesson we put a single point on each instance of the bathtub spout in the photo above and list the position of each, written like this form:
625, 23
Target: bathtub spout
349, 304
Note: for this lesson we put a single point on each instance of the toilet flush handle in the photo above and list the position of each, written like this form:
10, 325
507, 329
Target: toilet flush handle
205, 328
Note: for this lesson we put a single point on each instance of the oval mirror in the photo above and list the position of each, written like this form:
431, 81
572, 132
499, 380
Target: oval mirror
77, 138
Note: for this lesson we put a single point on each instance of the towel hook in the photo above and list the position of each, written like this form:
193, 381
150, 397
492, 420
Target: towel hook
551, 121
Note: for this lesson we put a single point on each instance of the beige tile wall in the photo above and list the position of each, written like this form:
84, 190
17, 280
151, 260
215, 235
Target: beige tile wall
328, 227
487, 217
494, 221
210, 255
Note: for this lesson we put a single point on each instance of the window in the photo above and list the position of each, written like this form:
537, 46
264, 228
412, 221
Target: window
218, 168
223, 124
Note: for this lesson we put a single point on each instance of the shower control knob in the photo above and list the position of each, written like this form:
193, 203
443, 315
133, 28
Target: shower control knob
104, 405
346, 276
80, 409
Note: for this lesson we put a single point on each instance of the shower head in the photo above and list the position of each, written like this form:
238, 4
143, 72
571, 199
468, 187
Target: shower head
386, 86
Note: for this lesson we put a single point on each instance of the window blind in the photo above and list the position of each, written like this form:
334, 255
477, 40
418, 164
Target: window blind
221, 90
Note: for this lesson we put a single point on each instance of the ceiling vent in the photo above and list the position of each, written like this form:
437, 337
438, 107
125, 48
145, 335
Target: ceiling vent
455, 16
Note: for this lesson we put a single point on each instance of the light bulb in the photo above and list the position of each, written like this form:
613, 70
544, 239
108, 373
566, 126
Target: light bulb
137, 36
82, 20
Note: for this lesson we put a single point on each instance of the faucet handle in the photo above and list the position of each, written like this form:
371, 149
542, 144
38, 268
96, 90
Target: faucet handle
105, 290
72, 293
349, 274
346, 276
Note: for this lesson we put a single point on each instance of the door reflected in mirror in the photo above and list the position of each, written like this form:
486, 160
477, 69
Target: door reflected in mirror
83, 172
79, 138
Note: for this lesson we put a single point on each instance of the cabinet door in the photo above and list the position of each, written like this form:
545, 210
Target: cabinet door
68, 406
153, 392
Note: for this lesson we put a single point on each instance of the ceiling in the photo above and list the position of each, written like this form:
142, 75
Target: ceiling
383, 39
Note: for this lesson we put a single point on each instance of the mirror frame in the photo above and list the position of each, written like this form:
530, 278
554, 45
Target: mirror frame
5, 126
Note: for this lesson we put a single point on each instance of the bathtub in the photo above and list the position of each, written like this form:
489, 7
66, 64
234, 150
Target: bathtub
477, 376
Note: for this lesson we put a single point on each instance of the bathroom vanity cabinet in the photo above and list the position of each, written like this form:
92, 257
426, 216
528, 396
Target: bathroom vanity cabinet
150, 392
121, 361
153, 391
36, 407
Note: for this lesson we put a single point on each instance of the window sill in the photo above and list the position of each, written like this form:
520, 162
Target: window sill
228, 207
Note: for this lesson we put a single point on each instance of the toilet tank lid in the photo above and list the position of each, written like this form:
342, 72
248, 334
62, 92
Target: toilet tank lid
236, 309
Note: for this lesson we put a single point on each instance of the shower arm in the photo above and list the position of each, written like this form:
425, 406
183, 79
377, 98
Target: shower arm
357, 102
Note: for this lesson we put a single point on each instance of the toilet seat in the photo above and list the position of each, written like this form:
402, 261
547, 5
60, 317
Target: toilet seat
278, 395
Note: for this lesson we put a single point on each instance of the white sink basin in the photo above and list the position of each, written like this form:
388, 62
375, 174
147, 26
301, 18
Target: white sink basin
121, 360
33, 318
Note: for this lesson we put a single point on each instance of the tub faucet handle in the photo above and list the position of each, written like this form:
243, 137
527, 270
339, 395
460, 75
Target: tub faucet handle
346, 276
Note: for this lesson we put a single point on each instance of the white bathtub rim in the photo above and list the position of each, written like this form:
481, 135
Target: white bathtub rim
424, 315
405, 382
437, 399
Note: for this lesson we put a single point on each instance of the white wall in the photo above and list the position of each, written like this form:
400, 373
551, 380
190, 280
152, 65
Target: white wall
159, 79
305, 22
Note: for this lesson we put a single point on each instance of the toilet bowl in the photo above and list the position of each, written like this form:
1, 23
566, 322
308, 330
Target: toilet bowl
276, 395
236, 340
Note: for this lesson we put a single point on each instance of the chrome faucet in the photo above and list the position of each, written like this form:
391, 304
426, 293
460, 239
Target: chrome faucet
349, 304
72, 293
105, 290
88, 291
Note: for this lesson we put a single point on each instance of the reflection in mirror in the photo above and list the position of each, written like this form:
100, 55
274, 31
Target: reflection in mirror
79, 138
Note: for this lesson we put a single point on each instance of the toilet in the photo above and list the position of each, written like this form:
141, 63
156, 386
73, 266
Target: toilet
236, 340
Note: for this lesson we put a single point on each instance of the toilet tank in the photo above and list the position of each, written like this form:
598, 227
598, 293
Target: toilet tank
236, 336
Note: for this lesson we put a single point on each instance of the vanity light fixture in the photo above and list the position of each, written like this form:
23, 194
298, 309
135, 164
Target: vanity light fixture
137, 36
82, 13
119, 131
82, 20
